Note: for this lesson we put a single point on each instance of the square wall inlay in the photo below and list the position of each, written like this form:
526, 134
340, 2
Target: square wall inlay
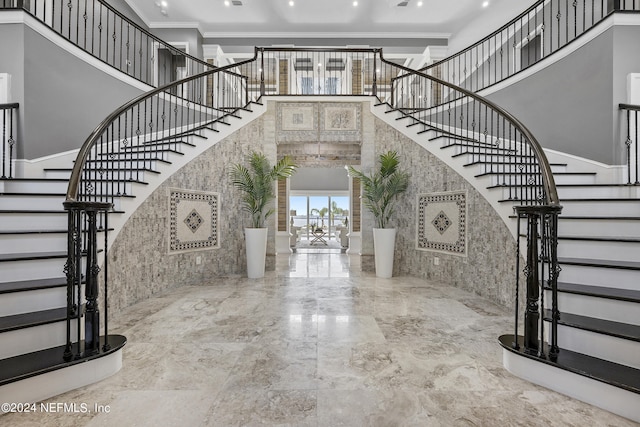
442, 222
193, 220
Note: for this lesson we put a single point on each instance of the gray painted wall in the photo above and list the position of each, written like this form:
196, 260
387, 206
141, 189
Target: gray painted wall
191, 36
572, 105
62, 98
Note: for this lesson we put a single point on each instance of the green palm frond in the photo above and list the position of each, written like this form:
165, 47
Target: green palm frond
257, 184
382, 187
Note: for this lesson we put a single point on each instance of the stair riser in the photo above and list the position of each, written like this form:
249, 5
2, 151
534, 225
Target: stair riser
606, 209
24, 243
14, 271
47, 203
57, 174
132, 164
599, 192
39, 186
21, 341
598, 276
489, 158
35, 300
26, 202
610, 228
133, 158
113, 188
622, 251
624, 352
116, 175
511, 168
503, 178
33, 221
600, 308
594, 208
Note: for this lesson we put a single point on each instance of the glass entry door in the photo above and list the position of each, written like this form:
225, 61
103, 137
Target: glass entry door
318, 215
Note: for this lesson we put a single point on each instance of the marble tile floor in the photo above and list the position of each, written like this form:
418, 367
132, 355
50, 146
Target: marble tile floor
316, 343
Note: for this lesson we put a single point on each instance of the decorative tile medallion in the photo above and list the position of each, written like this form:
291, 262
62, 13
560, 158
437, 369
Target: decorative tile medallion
442, 222
193, 220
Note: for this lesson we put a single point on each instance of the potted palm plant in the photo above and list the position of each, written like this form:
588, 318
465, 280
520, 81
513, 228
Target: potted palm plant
256, 182
380, 189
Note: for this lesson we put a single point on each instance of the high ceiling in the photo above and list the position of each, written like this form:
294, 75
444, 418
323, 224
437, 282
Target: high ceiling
412, 23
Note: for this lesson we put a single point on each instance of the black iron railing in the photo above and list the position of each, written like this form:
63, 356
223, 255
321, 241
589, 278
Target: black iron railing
631, 114
106, 34
8, 137
538, 32
132, 140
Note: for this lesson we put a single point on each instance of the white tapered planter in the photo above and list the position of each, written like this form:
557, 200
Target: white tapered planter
256, 243
384, 244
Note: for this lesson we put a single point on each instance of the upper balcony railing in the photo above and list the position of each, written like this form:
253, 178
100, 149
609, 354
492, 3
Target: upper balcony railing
538, 32
108, 35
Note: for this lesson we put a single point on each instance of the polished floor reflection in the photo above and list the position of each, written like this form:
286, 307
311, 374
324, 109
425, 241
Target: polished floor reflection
317, 343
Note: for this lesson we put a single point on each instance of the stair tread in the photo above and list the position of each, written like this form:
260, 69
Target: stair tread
629, 265
31, 211
616, 218
480, 162
34, 194
604, 199
526, 174
110, 169
602, 185
39, 362
608, 372
9, 232
607, 327
622, 239
37, 179
29, 285
27, 320
32, 255
600, 291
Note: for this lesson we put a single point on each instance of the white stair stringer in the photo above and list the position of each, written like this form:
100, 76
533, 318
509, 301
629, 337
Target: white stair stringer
142, 192
605, 396
504, 210
44, 386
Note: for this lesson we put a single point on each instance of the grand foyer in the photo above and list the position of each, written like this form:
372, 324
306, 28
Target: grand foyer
397, 105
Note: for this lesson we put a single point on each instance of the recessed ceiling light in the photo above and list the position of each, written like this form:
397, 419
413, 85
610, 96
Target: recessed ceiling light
291, 3
227, 2
164, 3
485, 4
419, 4
355, 3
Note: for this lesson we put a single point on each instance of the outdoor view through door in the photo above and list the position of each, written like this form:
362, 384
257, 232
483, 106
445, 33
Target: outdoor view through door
319, 220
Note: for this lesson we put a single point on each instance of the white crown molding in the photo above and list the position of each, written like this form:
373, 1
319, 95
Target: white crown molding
328, 35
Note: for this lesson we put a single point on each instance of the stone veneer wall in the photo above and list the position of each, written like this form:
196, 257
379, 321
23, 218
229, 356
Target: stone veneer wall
139, 262
489, 267
140, 265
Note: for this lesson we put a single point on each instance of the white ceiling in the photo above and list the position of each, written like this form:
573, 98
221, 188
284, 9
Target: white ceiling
404, 33
319, 18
